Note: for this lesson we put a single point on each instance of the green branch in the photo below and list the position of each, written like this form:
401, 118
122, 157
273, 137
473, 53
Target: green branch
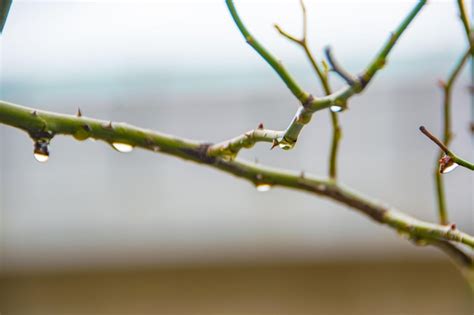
324, 80
42, 124
311, 104
466, 24
276, 64
230, 148
446, 164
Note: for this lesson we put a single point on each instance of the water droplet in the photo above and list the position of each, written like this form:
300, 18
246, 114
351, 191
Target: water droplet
262, 187
40, 157
41, 152
122, 147
336, 108
81, 135
449, 168
403, 234
446, 164
286, 145
421, 242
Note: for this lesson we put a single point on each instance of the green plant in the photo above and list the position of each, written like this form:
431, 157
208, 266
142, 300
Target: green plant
42, 126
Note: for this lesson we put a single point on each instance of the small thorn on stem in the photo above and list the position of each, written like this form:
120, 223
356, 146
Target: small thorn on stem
274, 144
79, 113
441, 83
108, 125
34, 113
260, 126
453, 226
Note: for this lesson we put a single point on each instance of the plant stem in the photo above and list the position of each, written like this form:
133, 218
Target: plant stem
40, 122
466, 24
323, 79
276, 64
339, 98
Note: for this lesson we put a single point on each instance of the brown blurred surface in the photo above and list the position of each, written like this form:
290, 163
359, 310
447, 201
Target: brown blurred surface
362, 288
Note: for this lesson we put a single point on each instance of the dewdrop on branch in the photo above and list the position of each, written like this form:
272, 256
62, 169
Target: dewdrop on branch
286, 145
446, 164
336, 108
122, 147
262, 187
41, 152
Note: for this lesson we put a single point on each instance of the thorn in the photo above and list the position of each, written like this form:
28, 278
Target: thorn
441, 83
274, 144
260, 126
453, 226
86, 127
302, 174
79, 113
34, 113
108, 126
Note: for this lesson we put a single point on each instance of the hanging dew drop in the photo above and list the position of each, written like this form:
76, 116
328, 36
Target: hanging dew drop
41, 152
286, 145
122, 147
446, 164
40, 157
262, 187
336, 108
449, 168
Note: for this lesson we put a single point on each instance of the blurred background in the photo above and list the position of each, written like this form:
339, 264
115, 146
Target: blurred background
94, 231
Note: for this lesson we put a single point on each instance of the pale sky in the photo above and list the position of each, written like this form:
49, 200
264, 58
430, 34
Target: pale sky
69, 39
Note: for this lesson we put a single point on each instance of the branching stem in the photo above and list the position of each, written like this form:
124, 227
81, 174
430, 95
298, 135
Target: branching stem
311, 104
324, 80
41, 122
455, 158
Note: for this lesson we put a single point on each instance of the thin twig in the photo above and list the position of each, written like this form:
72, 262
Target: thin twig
277, 65
435, 140
466, 24
336, 67
324, 80
455, 158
